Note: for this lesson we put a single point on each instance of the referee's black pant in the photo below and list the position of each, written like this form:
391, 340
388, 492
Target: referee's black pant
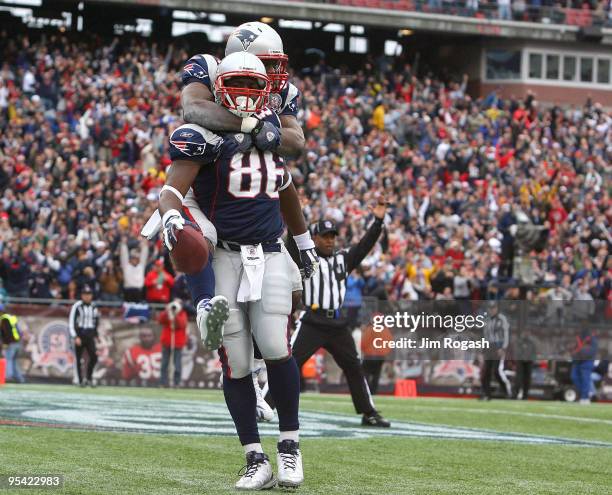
314, 331
88, 344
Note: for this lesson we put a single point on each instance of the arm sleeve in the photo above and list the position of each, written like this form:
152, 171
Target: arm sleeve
102, 259
53, 264
163, 318
128, 369
144, 255
72, 321
123, 255
181, 320
96, 320
423, 211
357, 253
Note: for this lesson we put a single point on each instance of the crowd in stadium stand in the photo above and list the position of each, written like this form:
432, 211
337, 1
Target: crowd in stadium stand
83, 149
573, 12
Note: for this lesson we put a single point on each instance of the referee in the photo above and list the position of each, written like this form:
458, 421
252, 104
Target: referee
497, 333
322, 325
83, 326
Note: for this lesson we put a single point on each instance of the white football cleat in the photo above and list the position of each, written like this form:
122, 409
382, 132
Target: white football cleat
212, 315
289, 459
258, 473
264, 411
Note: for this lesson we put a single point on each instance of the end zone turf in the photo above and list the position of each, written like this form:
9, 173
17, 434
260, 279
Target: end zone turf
118, 440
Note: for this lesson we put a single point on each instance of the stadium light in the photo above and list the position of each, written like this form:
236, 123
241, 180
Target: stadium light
405, 32
28, 3
267, 20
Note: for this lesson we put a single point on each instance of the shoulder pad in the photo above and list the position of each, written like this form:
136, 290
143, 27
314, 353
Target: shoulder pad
290, 97
200, 68
192, 140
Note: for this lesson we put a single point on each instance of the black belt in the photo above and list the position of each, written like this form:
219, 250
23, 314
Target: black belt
268, 246
332, 314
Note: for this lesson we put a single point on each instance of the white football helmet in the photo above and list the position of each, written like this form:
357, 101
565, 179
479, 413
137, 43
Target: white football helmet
232, 91
264, 42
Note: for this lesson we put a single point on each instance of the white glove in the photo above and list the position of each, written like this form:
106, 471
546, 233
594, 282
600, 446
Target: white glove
172, 222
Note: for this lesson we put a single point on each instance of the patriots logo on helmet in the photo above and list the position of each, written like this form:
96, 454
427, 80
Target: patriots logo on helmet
246, 37
275, 101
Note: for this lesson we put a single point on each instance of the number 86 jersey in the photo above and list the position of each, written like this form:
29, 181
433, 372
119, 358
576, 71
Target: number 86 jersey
237, 191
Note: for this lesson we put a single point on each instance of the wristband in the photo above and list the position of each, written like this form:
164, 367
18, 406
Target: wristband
285, 185
304, 241
173, 190
248, 124
170, 213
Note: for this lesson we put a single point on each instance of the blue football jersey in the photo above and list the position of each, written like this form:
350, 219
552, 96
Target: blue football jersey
238, 192
202, 69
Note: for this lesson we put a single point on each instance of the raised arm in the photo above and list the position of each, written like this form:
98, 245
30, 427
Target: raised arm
357, 253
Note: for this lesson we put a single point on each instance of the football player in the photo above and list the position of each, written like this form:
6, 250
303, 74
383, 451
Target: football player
236, 185
286, 138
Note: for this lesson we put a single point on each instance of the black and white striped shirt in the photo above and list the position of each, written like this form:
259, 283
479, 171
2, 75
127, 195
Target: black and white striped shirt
83, 319
327, 288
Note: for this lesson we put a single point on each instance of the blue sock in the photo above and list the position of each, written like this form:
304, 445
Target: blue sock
284, 382
242, 403
202, 284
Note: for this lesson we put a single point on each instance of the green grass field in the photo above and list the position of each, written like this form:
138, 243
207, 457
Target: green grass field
150, 441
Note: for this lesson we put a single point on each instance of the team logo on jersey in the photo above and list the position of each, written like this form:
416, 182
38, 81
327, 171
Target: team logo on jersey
246, 37
239, 138
194, 70
275, 101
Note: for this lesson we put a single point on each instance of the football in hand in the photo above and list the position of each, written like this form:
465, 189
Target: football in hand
190, 253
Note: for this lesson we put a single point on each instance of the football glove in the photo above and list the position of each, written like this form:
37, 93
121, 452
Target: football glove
310, 263
266, 136
172, 223
244, 141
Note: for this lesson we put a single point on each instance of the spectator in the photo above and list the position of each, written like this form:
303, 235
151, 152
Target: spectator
110, 282
11, 337
158, 283
15, 272
353, 298
75, 177
173, 339
504, 11
583, 359
133, 265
